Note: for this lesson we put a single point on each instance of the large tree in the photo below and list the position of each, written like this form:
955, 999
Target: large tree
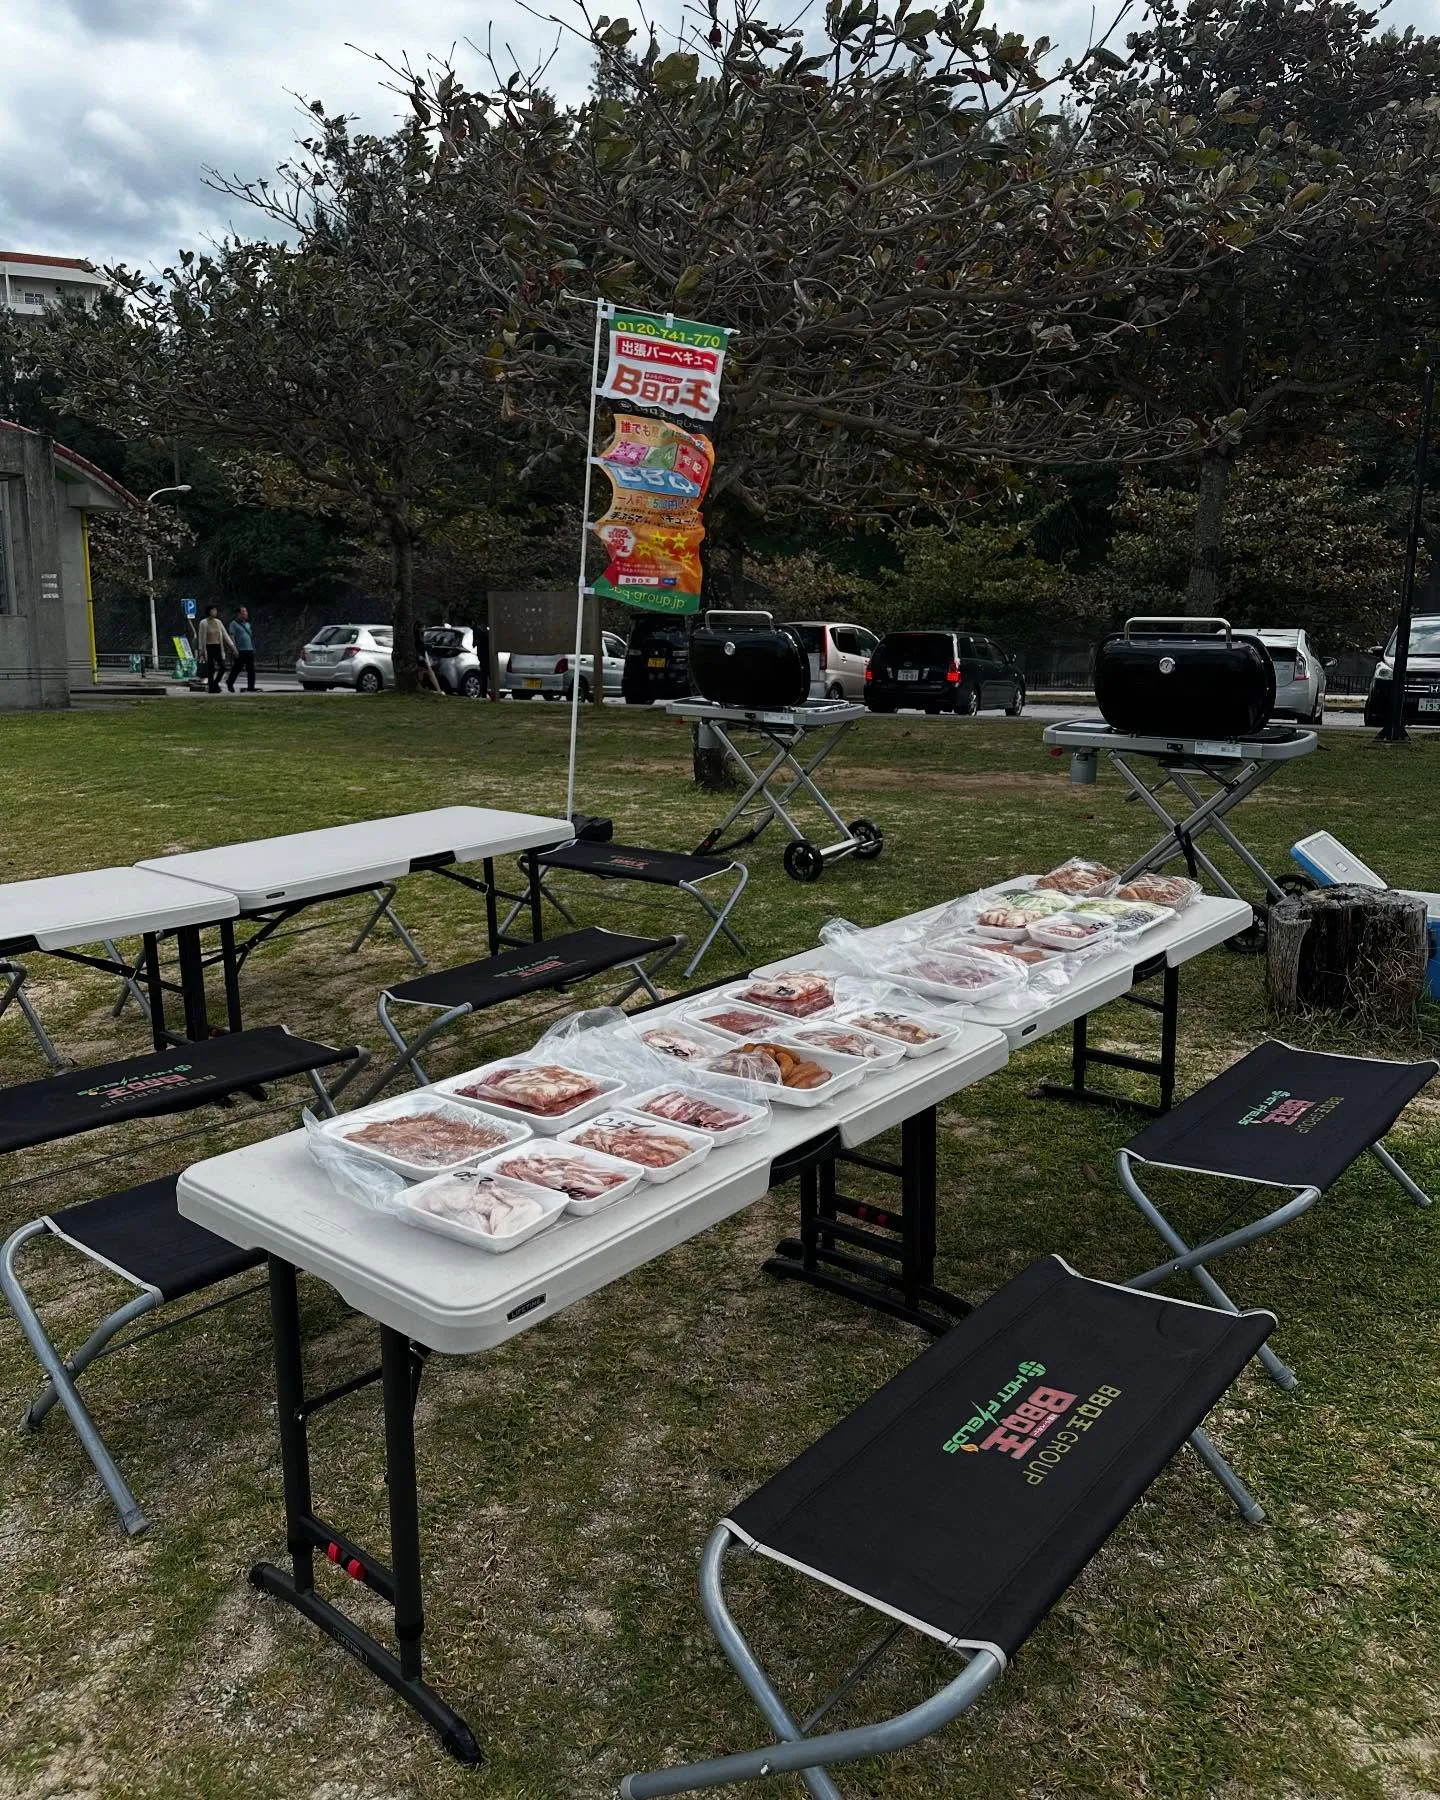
1279, 339
331, 354
928, 260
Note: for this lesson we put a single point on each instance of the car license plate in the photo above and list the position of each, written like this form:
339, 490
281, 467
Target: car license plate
1431, 705
655, 662
532, 681
907, 674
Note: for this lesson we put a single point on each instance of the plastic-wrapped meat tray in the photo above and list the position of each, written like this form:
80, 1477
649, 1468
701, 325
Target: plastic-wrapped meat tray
662, 1150
456, 1207
718, 1116
548, 1096
588, 1180
420, 1135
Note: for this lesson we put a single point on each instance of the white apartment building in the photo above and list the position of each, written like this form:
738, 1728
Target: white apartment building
28, 284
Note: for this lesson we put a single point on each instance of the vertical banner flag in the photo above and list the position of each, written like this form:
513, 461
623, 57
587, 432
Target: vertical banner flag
674, 365
658, 471
658, 476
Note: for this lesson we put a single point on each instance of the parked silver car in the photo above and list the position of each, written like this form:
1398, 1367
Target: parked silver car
839, 656
461, 665
1299, 672
356, 656
532, 672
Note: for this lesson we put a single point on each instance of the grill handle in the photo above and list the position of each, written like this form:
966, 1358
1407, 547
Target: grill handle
1168, 619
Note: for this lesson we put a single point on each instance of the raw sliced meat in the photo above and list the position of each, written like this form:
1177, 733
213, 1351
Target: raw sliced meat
566, 1172
797, 993
430, 1140
634, 1142
687, 1109
543, 1088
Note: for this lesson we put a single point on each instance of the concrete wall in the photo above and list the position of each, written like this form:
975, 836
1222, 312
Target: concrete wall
33, 651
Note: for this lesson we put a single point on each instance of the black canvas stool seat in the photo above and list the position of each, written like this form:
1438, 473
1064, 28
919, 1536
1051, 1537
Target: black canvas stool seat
963, 1499
175, 1080
1279, 1118
558, 962
650, 868
137, 1233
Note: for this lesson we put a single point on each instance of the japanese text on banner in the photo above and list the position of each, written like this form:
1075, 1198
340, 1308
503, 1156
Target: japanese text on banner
674, 366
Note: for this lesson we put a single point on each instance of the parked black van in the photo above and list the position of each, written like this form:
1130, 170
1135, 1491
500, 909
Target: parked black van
942, 671
657, 658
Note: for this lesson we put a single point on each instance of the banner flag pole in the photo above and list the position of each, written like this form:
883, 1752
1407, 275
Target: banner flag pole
601, 310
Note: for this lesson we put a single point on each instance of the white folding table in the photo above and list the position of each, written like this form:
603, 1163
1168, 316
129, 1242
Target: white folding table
60, 914
1233, 768
427, 1293
274, 879
789, 772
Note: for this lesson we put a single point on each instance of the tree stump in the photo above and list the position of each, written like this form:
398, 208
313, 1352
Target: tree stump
711, 765
1348, 949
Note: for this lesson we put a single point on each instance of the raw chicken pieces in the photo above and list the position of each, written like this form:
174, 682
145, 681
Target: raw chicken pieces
480, 1202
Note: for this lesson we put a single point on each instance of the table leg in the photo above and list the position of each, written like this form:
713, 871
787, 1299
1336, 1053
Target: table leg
305, 1532
1083, 1054
880, 1258
231, 966
155, 987
192, 982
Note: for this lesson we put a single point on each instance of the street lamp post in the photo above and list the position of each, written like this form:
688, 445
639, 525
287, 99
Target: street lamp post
182, 488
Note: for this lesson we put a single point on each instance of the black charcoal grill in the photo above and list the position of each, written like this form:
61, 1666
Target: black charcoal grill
755, 678
745, 659
1184, 678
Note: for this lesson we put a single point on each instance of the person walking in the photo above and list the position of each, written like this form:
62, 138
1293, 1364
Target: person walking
243, 640
215, 640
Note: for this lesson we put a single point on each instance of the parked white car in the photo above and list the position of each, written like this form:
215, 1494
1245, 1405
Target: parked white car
356, 656
839, 656
1299, 672
547, 674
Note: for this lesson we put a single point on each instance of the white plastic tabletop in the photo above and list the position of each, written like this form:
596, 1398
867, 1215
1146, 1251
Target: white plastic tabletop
273, 1196
59, 912
306, 865
1200, 927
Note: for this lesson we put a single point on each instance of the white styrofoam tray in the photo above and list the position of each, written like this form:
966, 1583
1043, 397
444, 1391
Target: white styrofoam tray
701, 1143
736, 990
550, 1203
711, 1043
880, 1052
582, 1209
845, 1072
898, 973
404, 1106
757, 1118
701, 1012
945, 1032
545, 1124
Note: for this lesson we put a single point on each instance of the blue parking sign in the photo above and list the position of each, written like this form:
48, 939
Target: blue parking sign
189, 606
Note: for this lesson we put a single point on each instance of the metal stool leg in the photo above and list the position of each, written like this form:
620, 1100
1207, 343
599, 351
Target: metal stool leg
1391, 1167
131, 1514
15, 992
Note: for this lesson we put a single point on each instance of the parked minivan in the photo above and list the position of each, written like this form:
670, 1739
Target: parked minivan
839, 655
942, 671
657, 658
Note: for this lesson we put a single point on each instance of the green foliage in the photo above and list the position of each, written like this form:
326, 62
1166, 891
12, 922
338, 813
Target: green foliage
984, 576
1304, 547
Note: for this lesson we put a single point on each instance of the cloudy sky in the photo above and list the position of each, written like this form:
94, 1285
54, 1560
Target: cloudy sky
112, 110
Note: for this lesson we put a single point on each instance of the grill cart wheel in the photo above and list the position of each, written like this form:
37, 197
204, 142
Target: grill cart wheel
870, 840
1294, 881
803, 862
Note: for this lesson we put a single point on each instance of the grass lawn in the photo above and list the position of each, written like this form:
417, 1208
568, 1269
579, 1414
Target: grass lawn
569, 1480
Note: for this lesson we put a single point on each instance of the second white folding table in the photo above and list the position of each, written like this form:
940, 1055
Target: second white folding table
272, 880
